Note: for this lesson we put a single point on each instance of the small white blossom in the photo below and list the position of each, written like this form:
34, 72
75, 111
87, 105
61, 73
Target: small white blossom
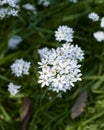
58, 83
64, 33
44, 2
102, 22
12, 3
26, 67
20, 67
30, 7
76, 53
13, 89
59, 69
94, 16
99, 36
14, 41
9, 8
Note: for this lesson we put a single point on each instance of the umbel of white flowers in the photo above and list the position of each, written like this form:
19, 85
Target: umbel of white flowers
8, 8
102, 22
13, 89
20, 67
64, 33
59, 68
99, 36
93, 16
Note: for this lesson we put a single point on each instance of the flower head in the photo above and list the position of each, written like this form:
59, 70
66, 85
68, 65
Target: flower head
13, 89
12, 3
94, 16
64, 33
20, 67
59, 69
99, 36
102, 22
9, 8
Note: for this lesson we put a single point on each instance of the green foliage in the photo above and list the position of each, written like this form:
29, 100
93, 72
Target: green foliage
37, 31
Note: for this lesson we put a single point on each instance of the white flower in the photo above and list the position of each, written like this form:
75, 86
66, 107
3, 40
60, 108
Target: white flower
20, 67
43, 80
76, 53
26, 67
44, 76
14, 41
30, 7
12, 3
64, 33
17, 67
102, 22
13, 89
44, 52
58, 82
74, 1
44, 2
59, 69
99, 36
9, 8
72, 52
94, 16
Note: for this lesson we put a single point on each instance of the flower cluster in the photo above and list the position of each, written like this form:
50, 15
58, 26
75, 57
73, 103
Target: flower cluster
13, 89
102, 22
94, 16
60, 68
44, 2
20, 67
99, 36
9, 8
64, 33
14, 41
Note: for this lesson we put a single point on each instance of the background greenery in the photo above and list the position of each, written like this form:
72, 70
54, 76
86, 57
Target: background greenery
37, 31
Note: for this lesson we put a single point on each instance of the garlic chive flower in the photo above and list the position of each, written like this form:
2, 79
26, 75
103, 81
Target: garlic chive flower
99, 36
13, 89
8, 8
102, 22
12, 3
60, 68
64, 33
14, 41
93, 16
20, 67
